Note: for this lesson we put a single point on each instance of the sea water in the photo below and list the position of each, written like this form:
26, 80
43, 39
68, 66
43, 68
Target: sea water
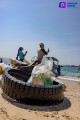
71, 71
6, 61
67, 72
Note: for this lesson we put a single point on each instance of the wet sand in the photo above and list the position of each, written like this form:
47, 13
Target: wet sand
69, 109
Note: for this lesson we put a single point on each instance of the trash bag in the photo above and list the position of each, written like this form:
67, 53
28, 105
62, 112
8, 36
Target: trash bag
45, 66
45, 79
3, 66
41, 73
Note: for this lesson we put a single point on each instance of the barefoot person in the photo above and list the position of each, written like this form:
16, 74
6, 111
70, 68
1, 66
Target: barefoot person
21, 55
42, 52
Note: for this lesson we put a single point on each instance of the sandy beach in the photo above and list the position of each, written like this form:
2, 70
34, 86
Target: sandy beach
69, 109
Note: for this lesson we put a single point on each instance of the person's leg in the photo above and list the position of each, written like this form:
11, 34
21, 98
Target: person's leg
26, 61
35, 63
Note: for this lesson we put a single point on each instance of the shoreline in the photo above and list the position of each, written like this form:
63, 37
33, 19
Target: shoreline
76, 79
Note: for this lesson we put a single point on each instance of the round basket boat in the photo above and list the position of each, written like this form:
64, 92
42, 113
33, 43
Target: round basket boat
14, 84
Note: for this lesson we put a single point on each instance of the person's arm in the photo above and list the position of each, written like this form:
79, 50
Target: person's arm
17, 57
25, 53
45, 52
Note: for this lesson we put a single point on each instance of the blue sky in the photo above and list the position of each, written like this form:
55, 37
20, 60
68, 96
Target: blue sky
27, 23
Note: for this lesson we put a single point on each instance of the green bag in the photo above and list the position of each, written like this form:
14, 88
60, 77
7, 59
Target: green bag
46, 80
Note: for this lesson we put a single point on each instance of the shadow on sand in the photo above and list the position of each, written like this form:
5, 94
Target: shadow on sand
65, 104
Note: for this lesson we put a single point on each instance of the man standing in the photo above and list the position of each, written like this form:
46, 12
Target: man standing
41, 52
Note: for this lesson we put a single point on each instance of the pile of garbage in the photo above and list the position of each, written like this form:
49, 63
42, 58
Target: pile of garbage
41, 73
42, 79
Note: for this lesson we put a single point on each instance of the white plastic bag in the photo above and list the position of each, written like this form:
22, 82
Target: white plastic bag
44, 68
3, 67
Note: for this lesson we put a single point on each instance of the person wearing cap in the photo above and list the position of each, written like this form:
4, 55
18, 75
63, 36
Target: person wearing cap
42, 52
21, 55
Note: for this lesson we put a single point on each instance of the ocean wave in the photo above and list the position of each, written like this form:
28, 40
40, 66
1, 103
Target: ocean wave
69, 78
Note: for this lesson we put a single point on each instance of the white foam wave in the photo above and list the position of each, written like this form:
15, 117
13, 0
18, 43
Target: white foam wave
69, 78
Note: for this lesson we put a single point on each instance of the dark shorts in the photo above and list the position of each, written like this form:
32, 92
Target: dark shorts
21, 60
